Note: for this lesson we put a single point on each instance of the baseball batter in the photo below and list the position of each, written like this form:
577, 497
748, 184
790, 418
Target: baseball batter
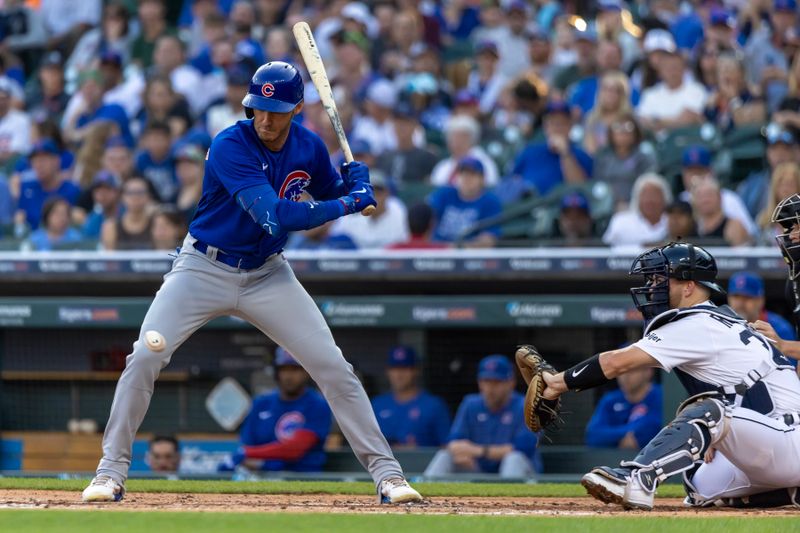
257, 171
743, 415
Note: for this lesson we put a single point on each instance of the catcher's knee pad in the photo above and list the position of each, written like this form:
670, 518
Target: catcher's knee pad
678, 446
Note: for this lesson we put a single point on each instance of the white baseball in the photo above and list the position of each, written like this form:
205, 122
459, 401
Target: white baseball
154, 340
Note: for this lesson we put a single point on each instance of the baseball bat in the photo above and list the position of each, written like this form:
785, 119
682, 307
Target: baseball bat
308, 49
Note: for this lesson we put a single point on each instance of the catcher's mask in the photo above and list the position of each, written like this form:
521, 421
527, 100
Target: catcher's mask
678, 260
787, 214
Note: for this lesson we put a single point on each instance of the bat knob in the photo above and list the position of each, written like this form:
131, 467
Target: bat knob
367, 211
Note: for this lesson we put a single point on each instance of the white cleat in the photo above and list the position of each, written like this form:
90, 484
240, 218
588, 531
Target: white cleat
103, 489
397, 490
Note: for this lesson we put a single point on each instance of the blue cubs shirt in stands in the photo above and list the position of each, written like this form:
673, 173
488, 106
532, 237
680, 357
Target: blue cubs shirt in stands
615, 416
475, 422
422, 421
32, 197
272, 419
455, 215
541, 167
238, 160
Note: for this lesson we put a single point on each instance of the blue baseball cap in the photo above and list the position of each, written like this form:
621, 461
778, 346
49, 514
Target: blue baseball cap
746, 284
105, 178
609, 5
696, 156
495, 367
284, 358
471, 164
785, 5
402, 357
45, 146
575, 200
487, 47
721, 17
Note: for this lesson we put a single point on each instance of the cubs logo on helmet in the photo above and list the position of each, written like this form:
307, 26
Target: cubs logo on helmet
267, 89
294, 185
288, 424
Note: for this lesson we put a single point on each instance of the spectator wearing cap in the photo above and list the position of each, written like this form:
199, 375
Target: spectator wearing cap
721, 28
42, 181
489, 433
421, 223
119, 89
765, 52
408, 162
105, 192
114, 35
462, 134
784, 182
48, 98
696, 162
680, 221
376, 123
557, 160
677, 100
585, 61
645, 221
754, 190
408, 415
386, 225
486, 81
152, 25
626, 157
746, 297
628, 417
658, 44
54, 231
286, 429
67, 20
15, 128
132, 228
155, 162
189, 169
712, 223
86, 107
574, 225
507, 27
168, 229
230, 111
732, 104
458, 209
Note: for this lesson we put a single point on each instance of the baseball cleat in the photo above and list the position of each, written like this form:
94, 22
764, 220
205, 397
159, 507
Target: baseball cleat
640, 492
606, 484
103, 489
397, 490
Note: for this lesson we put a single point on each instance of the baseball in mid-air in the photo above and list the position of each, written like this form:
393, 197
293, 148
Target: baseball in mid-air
154, 340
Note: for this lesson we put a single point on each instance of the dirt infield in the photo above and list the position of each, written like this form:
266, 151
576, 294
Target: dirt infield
326, 503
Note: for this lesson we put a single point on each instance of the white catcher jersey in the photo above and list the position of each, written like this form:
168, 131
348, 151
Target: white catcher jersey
709, 350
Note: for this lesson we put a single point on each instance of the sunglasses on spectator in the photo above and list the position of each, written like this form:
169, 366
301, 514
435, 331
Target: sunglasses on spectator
627, 127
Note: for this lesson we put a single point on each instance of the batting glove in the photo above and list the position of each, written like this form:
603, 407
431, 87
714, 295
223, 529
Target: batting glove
353, 173
358, 199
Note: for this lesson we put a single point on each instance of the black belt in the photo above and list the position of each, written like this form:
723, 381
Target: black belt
243, 263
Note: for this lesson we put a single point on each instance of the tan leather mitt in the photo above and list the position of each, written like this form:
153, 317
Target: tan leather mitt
540, 413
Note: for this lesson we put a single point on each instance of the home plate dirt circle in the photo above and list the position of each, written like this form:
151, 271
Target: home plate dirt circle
329, 503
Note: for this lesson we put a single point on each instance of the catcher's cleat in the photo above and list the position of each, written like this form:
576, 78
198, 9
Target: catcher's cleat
103, 488
606, 484
397, 490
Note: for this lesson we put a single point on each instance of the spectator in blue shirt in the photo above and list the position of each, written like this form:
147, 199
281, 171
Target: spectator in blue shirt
42, 181
546, 165
746, 297
106, 197
286, 429
54, 231
489, 434
409, 416
459, 208
628, 417
155, 161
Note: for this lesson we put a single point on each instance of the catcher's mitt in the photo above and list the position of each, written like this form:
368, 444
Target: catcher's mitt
540, 413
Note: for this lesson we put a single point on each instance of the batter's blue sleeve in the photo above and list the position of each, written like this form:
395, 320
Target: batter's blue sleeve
278, 216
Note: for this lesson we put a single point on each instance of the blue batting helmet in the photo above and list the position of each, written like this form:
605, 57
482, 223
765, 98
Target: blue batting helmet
276, 86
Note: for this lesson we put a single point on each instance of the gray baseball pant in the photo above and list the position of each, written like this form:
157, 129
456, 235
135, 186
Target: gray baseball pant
198, 289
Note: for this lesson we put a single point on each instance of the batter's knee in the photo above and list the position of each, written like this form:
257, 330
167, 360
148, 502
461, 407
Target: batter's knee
149, 353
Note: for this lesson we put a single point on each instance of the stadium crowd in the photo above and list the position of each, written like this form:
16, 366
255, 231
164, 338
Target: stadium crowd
485, 122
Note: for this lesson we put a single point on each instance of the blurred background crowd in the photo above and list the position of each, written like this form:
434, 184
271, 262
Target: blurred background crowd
485, 122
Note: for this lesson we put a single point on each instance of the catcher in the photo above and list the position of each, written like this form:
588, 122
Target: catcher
744, 395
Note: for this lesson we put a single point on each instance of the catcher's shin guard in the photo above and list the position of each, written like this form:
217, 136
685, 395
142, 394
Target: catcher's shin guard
678, 446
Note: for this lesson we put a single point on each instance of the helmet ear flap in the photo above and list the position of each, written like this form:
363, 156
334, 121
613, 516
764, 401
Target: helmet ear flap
248, 112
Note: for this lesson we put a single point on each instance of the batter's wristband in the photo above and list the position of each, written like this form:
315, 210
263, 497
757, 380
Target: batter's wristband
585, 375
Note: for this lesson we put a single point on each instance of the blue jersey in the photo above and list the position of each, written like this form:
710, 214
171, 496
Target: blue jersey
238, 160
272, 419
454, 215
615, 416
541, 167
422, 421
32, 197
161, 174
475, 422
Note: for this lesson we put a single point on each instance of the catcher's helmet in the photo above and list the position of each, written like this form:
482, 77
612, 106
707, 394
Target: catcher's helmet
677, 260
276, 86
787, 214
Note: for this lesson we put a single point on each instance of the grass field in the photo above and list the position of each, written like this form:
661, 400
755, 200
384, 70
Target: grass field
349, 507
